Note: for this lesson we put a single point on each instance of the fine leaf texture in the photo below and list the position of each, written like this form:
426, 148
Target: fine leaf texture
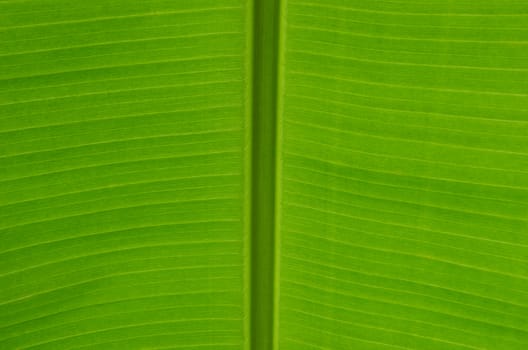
401, 195
404, 183
123, 177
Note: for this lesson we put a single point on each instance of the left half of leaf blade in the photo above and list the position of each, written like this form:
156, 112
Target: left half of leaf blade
123, 174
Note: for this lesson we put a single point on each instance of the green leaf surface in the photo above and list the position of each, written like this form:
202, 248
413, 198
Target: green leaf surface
258, 174
123, 181
404, 182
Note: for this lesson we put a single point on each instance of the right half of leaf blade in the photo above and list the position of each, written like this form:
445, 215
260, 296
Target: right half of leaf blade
404, 184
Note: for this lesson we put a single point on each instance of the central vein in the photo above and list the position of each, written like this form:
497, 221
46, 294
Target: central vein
265, 57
